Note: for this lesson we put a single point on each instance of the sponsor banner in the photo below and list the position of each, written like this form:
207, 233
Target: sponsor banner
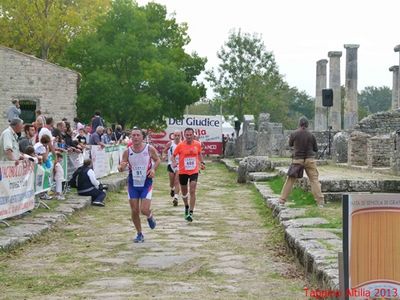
74, 161
16, 188
113, 158
42, 179
371, 247
207, 128
106, 160
101, 167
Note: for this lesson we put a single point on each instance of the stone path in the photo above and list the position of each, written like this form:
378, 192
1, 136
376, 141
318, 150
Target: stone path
228, 252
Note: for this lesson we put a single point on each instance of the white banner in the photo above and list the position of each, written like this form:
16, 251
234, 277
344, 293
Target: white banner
106, 160
17, 193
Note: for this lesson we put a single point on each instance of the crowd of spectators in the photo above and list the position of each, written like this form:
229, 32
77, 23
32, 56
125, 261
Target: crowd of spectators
44, 140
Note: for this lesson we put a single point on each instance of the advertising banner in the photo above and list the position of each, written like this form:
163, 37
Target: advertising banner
207, 128
113, 158
101, 166
16, 188
371, 246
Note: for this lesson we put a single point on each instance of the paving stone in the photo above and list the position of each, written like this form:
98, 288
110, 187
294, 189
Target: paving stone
163, 261
304, 222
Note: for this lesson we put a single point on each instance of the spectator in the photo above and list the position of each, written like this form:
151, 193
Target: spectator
78, 124
46, 130
14, 111
95, 138
28, 139
30, 154
106, 138
81, 138
42, 152
116, 137
88, 185
97, 121
9, 146
88, 131
42, 149
59, 176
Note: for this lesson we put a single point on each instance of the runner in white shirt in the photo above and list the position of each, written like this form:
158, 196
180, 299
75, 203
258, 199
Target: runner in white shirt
173, 172
143, 161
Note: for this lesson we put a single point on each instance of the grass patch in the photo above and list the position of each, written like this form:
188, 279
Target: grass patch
298, 196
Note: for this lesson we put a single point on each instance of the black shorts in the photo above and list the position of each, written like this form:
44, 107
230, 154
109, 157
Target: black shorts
184, 178
169, 168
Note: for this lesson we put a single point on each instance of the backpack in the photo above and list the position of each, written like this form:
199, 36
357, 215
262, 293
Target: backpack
73, 182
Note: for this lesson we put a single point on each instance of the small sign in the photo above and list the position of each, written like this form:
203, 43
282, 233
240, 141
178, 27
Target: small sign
371, 246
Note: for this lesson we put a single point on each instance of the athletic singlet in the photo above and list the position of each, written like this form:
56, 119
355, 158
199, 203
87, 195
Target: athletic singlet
188, 157
171, 150
139, 165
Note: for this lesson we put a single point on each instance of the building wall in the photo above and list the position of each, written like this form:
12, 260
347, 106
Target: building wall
24, 77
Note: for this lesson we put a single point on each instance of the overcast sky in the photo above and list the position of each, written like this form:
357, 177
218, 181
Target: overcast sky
299, 32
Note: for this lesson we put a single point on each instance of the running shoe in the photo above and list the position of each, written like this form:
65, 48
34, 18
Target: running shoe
98, 203
139, 238
172, 193
175, 202
152, 222
189, 217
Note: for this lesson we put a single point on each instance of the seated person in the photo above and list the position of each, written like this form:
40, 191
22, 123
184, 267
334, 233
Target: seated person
86, 183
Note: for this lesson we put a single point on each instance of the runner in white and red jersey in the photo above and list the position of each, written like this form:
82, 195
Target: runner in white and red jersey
142, 160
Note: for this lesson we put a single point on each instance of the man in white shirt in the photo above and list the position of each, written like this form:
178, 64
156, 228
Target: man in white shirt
9, 146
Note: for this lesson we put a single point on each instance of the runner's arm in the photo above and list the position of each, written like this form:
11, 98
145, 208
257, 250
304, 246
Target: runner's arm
174, 155
156, 159
124, 162
165, 150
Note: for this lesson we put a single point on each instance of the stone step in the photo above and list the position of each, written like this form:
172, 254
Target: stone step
262, 176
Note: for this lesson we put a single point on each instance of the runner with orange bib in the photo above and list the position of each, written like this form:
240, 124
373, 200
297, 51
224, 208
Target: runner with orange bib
190, 160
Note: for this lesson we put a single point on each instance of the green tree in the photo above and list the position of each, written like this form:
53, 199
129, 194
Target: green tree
374, 99
44, 27
134, 67
245, 62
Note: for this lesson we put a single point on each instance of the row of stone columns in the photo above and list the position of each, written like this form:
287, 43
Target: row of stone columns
351, 97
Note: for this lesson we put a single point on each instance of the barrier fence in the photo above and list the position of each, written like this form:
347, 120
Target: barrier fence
20, 183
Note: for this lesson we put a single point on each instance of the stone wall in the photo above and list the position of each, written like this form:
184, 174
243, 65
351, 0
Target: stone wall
380, 123
380, 149
395, 159
52, 88
358, 148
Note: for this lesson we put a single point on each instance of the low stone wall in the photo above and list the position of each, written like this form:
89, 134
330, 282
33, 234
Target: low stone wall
253, 164
395, 159
379, 151
358, 149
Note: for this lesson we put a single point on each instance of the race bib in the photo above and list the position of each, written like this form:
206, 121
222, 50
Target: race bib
190, 163
139, 175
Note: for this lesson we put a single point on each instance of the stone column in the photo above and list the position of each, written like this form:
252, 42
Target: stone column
335, 115
397, 49
395, 87
320, 111
351, 98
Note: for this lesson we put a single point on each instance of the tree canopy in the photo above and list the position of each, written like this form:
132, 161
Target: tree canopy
374, 99
247, 81
44, 27
134, 67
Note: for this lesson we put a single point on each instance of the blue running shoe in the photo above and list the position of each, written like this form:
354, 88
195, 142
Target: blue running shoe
152, 222
139, 238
